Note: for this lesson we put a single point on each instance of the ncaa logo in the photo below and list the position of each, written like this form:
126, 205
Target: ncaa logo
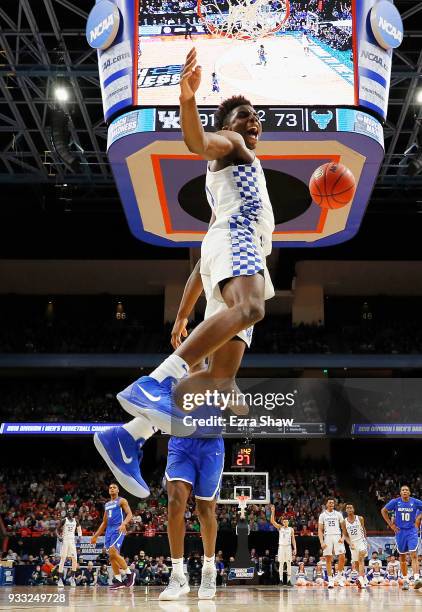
386, 24
102, 25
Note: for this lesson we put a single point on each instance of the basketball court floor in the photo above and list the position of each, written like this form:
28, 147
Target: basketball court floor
228, 599
289, 75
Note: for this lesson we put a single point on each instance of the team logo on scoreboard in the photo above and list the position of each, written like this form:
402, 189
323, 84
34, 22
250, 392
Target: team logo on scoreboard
160, 76
386, 24
322, 120
102, 25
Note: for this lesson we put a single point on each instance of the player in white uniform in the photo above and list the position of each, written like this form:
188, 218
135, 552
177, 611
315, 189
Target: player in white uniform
305, 43
331, 539
286, 543
355, 535
66, 533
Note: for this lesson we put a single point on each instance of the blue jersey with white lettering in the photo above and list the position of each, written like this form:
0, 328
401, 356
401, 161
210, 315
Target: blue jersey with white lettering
114, 513
405, 512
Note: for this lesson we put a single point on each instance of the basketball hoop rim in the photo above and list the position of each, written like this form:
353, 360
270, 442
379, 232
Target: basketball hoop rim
213, 29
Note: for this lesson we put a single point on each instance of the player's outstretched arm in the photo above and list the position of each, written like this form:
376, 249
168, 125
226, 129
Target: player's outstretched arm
100, 529
128, 512
210, 146
272, 518
191, 293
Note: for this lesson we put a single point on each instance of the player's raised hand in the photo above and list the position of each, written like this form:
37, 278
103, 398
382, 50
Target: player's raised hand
94, 539
179, 330
272, 508
190, 77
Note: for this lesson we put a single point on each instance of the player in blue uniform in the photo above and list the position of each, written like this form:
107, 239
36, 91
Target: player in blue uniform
405, 510
262, 57
114, 524
196, 464
215, 83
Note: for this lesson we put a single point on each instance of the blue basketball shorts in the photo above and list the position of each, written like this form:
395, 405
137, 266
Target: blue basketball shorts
197, 461
407, 540
114, 537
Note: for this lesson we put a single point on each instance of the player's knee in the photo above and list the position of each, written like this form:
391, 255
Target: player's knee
252, 311
176, 503
206, 511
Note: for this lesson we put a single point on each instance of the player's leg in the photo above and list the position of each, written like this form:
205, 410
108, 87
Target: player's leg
151, 395
74, 559
244, 296
329, 565
63, 557
415, 563
403, 568
208, 522
362, 580
210, 466
341, 563
178, 492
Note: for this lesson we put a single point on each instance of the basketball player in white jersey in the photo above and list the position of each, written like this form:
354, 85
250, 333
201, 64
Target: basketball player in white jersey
233, 272
305, 44
286, 543
331, 539
354, 534
66, 533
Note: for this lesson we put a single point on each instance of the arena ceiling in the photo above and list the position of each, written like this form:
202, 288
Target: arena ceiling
43, 43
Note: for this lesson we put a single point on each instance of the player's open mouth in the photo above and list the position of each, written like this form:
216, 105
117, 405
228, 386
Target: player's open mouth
253, 133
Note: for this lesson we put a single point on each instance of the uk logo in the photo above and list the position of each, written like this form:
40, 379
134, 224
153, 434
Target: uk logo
170, 120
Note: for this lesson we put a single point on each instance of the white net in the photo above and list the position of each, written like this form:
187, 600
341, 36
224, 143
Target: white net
243, 19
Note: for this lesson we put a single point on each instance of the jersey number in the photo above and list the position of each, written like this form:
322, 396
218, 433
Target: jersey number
405, 516
353, 531
110, 513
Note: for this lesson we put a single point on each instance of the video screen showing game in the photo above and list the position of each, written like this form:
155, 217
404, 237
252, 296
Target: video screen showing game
308, 59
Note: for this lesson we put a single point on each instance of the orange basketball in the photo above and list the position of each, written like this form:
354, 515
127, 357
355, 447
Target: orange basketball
332, 185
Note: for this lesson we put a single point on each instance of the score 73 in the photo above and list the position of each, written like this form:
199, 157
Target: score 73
279, 119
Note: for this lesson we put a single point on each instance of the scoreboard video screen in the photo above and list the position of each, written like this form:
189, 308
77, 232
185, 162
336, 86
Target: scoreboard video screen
309, 60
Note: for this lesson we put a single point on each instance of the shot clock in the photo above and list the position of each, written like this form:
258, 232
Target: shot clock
243, 456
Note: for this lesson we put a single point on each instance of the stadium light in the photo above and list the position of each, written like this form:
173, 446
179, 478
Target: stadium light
419, 96
61, 93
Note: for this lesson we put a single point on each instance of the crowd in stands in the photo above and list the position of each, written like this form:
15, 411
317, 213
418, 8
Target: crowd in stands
272, 335
382, 482
34, 503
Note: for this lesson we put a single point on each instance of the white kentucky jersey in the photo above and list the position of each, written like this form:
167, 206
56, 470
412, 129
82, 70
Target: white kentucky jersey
239, 199
69, 529
354, 530
284, 536
331, 522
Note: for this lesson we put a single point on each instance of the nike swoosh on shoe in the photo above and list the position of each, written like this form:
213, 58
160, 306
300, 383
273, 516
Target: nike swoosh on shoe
125, 458
152, 398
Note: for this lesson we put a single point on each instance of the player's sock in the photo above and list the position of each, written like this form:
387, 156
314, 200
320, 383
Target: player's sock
177, 565
173, 366
118, 577
209, 563
140, 427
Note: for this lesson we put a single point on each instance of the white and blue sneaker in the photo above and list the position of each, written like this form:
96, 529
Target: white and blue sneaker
152, 399
123, 454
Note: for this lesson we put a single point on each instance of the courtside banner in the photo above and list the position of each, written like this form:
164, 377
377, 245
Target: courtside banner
111, 28
86, 550
54, 428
